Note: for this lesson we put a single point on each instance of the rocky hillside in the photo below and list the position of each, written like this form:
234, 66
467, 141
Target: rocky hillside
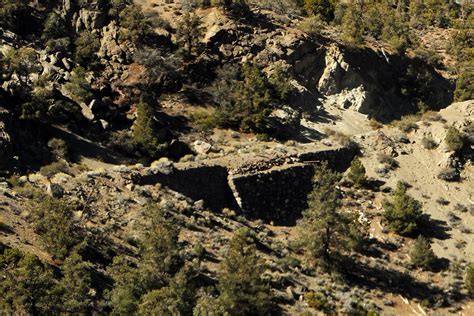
235, 158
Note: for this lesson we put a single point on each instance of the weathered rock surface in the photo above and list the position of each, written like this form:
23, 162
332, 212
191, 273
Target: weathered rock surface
5, 140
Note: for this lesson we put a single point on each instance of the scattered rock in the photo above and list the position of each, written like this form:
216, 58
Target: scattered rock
55, 190
201, 148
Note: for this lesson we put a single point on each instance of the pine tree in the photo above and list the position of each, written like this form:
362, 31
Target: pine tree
160, 260
324, 228
54, 27
128, 288
53, 220
242, 291
78, 85
280, 82
86, 47
352, 25
323, 8
76, 285
27, 284
159, 249
403, 213
188, 32
248, 101
178, 298
23, 62
134, 25
146, 130
422, 256
357, 172
11, 12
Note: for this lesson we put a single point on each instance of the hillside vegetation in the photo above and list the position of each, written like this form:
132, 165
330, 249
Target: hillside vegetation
236, 157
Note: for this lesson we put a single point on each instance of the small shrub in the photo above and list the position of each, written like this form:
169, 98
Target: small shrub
199, 250
432, 116
458, 207
54, 168
374, 124
429, 143
442, 201
357, 172
464, 85
454, 139
407, 123
388, 161
469, 134
122, 141
78, 85
15, 182
342, 139
317, 301
203, 121
288, 262
312, 26
422, 256
469, 280
449, 174
58, 148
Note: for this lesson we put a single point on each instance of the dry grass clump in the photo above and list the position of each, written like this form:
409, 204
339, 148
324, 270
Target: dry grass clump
407, 123
388, 161
54, 168
429, 143
374, 124
341, 138
203, 121
432, 116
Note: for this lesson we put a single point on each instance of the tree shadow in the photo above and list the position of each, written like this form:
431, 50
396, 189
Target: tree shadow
6, 229
322, 116
374, 184
374, 248
197, 96
83, 147
440, 264
284, 131
387, 280
433, 228
211, 257
252, 19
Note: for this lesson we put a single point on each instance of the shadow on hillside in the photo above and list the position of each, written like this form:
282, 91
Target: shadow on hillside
374, 184
284, 131
437, 229
375, 248
82, 147
252, 19
387, 280
322, 116
6, 229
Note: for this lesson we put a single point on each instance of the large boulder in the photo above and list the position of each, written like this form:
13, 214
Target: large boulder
110, 49
90, 20
338, 74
